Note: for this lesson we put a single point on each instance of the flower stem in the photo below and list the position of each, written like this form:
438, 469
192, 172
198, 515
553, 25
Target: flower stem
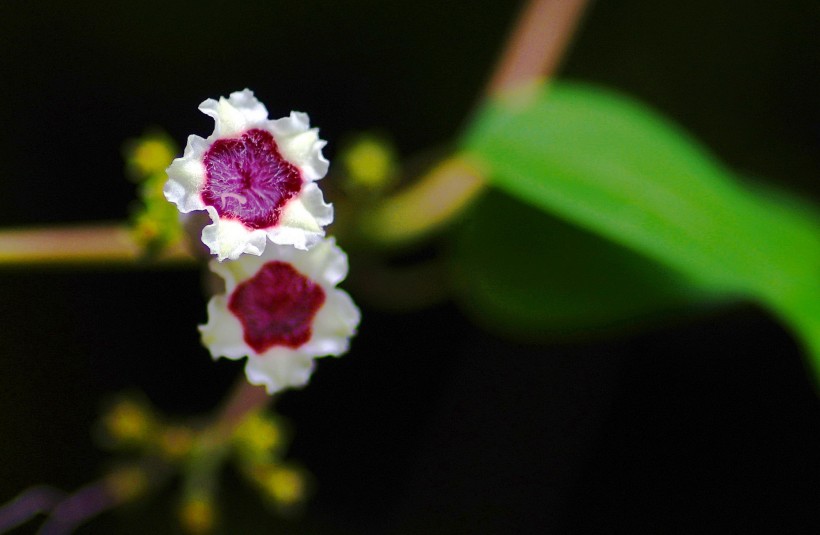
244, 399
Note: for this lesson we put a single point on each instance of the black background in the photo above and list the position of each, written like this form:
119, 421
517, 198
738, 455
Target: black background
429, 425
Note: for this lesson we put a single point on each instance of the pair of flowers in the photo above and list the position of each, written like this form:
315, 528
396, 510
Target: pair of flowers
255, 178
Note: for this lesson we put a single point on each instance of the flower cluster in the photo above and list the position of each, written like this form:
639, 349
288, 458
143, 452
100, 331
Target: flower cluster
256, 179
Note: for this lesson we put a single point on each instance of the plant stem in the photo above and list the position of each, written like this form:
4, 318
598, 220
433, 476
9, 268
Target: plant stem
31, 502
82, 244
244, 399
533, 51
84, 504
121, 485
537, 43
430, 203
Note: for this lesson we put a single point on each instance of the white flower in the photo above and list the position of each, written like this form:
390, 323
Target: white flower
255, 178
281, 310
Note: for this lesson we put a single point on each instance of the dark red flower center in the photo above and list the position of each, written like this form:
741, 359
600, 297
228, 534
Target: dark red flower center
276, 307
247, 179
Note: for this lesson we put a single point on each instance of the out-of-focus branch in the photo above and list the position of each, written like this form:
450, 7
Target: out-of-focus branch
537, 44
243, 400
65, 512
428, 204
532, 52
30, 502
86, 244
84, 504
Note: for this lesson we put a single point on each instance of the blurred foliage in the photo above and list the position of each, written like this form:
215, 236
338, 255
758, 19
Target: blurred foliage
370, 164
570, 282
154, 221
613, 166
128, 422
197, 515
157, 447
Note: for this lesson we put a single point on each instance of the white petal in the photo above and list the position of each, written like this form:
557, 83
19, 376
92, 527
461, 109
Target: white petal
234, 272
294, 237
278, 370
325, 263
302, 220
253, 110
222, 335
228, 238
195, 147
296, 214
186, 175
313, 201
235, 114
305, 151
296, 123
300, 144
333, 326
334, 267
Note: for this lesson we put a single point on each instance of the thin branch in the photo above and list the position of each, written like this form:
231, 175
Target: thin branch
84, 504
533, 51
28, 504
537, 44
105, 243
244, 399
427, 205
124, 484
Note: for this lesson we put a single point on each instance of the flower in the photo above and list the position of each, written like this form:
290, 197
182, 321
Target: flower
281, 310
255, 178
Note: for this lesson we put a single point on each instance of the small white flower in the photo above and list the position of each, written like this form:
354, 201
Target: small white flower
255, 178
281, 309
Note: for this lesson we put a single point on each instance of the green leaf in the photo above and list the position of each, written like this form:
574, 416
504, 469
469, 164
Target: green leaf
535, 276
611, 165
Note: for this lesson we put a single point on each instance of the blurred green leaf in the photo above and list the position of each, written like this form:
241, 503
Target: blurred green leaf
523, 272
614, 167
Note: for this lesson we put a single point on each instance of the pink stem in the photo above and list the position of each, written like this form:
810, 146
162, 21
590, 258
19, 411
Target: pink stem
244, 399
84, 504
537, 44
77, 244
29, 503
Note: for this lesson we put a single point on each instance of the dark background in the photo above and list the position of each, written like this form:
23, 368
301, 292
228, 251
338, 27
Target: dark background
430, 425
